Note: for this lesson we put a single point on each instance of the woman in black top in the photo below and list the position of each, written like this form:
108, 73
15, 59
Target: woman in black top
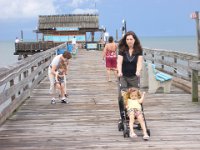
129, 63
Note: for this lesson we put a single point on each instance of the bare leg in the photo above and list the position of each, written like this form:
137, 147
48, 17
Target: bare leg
52, 89
131, 122
62, 91
58, 87
115, 72
142, 123
108, 74
65, 85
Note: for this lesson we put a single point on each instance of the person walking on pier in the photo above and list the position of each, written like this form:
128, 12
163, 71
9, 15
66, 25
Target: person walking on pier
129, 63
74, 42
110, 55
53, 67
130, 59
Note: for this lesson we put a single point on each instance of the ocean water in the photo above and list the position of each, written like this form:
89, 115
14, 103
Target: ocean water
7, 57
186, 44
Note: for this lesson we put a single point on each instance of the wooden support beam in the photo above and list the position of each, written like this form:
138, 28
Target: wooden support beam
194, 86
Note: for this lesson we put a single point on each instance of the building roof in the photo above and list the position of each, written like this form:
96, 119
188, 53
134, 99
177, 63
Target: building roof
81, 21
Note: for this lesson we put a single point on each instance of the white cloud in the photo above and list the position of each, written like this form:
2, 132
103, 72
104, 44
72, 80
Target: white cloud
18, 9
76, 3
15, 9
81, 3
85, 11
84, 6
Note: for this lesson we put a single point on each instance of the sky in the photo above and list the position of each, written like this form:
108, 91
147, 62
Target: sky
144, 17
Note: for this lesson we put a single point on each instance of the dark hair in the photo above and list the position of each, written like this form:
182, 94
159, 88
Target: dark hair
123, 45
110, 39
67, 55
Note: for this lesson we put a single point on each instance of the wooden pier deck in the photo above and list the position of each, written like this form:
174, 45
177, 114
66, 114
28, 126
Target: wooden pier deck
89, 121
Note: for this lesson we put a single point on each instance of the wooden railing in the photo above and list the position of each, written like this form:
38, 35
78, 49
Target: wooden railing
17, 81
30, 48
175, 63
195, 66
181, 65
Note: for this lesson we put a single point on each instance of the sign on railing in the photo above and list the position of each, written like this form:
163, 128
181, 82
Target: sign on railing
194, 15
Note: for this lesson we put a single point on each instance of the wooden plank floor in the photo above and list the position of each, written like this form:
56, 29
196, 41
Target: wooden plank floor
89, 121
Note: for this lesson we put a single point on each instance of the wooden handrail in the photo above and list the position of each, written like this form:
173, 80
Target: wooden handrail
172, 62
182, 65
195, 66
18, 80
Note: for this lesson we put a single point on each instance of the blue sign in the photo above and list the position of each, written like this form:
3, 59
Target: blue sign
91, 45
62, 38
66, 29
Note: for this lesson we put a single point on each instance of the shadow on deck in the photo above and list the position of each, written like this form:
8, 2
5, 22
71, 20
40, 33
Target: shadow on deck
90, 120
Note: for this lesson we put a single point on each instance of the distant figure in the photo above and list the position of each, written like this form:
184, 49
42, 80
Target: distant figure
74, 46
106, 36
74, 41
17, 40
110, 55
101, 43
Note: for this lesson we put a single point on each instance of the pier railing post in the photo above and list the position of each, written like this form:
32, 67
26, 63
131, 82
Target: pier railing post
198, 33
194, 85
195, 77
195, 66
195, 15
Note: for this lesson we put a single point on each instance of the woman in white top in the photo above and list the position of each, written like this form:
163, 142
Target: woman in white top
53, 67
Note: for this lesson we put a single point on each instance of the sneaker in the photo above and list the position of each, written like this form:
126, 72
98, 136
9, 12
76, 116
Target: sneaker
64, 101
53, 101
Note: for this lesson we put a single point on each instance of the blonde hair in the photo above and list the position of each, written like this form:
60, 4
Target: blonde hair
126, 95
131, 90
62, 66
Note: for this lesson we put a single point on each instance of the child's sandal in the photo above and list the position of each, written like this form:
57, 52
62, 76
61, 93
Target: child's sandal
133, 135
146, 137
